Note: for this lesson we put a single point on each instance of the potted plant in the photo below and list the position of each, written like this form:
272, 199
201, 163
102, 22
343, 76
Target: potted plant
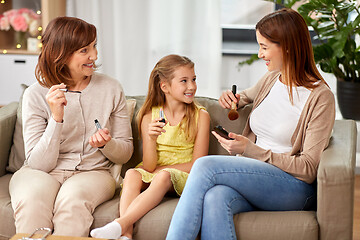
336, 24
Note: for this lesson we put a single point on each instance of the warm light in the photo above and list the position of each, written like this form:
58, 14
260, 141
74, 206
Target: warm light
40, 45
2, 1
18, 45
39, 29
38, 12
39, 37
4, 51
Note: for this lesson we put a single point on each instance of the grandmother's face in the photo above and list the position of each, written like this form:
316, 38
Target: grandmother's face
82, 62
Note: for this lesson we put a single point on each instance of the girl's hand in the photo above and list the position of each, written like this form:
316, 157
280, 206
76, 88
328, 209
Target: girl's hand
155, 128
57, 101
100, 138
236, 146
227, 97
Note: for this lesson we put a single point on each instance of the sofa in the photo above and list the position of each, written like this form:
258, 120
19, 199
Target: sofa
332, 218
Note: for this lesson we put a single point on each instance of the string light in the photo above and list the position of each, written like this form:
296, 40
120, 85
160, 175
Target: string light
40, 45
18, 45
4, 51
38, 12
39, 37
2, 1
39, 29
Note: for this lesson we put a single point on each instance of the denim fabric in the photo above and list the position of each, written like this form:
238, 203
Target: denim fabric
220, 186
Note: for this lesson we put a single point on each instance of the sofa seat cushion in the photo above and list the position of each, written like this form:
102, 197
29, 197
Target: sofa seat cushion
154, 225
7, 226
280, 225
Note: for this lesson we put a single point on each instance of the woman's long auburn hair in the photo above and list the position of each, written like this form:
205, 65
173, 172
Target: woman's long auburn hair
62, 37
164, 71
288, 29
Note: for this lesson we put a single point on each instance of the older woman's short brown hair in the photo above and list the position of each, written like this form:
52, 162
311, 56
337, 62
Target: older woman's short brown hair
62, 37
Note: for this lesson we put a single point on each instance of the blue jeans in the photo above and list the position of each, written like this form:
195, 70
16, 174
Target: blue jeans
220, 186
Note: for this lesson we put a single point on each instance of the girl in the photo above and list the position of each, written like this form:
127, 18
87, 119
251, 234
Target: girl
279, 151
170, 148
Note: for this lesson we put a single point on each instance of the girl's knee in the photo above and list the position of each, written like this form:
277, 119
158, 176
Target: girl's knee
162, 178
132, 175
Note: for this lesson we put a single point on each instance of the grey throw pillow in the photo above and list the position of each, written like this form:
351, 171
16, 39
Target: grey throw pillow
17, 152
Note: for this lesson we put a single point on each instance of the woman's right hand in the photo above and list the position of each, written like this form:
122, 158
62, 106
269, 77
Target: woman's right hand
227, 97
57, 101
155, 128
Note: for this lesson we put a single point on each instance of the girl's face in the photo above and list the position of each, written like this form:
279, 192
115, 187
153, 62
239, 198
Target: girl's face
183, 85
81, 63
270, 52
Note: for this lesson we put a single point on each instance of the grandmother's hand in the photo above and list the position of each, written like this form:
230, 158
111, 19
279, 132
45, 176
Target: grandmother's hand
227, 97
100, 138
236, 146
57, 101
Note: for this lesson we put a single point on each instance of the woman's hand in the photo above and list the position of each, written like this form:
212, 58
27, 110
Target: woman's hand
100, 138
227, 97
155, 128
236, 146
57, 101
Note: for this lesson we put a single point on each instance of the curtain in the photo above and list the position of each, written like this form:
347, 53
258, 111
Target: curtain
134, 34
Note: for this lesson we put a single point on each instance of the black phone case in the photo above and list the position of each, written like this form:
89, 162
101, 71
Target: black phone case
222, 132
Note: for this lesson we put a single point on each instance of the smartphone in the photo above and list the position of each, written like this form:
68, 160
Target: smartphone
222, 132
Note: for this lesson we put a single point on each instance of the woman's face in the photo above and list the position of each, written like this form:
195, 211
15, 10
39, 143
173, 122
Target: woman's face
81, 63
270, 52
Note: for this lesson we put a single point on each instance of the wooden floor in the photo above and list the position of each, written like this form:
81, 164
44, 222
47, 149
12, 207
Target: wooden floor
357, 209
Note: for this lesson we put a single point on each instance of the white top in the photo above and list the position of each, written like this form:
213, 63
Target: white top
275, 119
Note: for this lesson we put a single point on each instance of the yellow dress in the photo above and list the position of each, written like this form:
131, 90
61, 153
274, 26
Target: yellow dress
172, 148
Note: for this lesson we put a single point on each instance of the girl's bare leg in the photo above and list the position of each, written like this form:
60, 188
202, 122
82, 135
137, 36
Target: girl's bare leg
142, 203
132, 187
146, 201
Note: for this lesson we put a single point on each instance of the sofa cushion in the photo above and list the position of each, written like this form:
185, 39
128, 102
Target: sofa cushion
7, 120
277, 225
17, 152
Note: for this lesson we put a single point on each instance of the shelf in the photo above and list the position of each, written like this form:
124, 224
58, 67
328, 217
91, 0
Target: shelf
17, 51
49, 10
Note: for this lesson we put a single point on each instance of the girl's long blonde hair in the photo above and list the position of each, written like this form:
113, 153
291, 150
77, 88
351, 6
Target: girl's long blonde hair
164, 71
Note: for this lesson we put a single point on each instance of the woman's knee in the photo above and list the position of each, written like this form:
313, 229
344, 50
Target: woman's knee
33, 187
216, 196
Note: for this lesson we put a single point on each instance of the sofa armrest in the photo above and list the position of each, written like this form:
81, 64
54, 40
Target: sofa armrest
7, 127
335, 183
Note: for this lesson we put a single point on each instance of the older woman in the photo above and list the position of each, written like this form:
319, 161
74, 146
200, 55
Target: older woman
66, 174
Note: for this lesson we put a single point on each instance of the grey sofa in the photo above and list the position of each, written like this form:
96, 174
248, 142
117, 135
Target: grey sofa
333, 218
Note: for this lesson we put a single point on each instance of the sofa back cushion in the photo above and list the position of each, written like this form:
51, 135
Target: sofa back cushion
17, 152
218, 116
7, 120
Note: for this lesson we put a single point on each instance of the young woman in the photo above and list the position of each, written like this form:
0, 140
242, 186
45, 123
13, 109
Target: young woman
66, 173
278, 152
170, 148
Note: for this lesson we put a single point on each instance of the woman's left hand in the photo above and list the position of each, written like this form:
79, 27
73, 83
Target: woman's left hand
236, 146
100, 138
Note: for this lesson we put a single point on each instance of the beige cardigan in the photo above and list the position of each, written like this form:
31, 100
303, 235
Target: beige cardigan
50, 145
310, 137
